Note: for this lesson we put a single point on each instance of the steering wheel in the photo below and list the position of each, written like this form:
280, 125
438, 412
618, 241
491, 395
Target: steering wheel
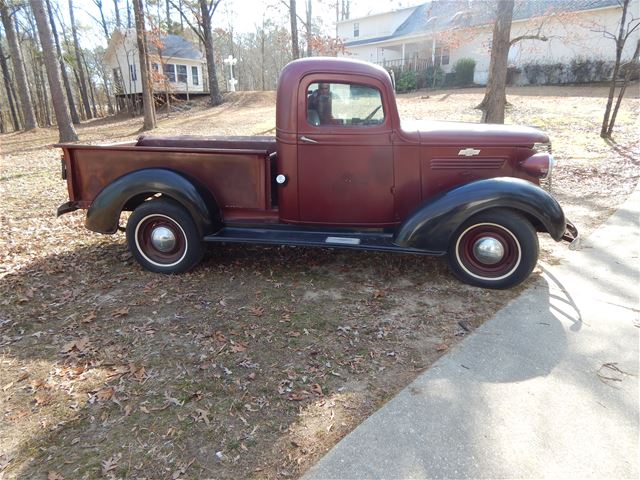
375, 110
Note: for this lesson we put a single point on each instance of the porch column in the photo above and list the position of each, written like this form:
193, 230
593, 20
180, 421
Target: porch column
403, 57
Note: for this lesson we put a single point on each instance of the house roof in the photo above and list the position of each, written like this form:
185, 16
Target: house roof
171, 46
439, 15
175, 46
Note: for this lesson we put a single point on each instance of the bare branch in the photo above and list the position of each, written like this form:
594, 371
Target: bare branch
515, 40
195, 29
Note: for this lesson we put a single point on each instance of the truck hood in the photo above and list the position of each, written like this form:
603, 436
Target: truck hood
472, 134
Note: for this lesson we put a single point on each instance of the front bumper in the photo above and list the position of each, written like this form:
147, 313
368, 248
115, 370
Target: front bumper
571, 235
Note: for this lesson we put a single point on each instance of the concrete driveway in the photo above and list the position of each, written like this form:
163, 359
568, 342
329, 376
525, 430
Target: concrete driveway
547, 388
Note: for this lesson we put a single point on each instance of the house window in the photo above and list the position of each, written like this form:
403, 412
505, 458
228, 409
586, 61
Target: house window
356, 29
442, 55
132, 72
170, 72
445, 55
194, 75
155, 67
182, 73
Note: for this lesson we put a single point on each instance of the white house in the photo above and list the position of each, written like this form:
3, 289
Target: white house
444, 31
177, 66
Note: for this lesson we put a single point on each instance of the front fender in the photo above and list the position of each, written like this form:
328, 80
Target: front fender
104, 213
431, 225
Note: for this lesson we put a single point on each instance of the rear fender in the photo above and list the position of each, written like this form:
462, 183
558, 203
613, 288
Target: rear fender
104, 213
431, 225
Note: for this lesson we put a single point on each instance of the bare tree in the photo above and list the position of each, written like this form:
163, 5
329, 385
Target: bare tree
293, 16
116, 8
6, 76
28, 113
63, 71
308, 25
65, 128
82, 80
495, 98
145, 77
628, 24
202, 28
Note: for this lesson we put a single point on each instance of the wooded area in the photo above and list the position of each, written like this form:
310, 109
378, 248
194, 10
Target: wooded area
40, 56
51, 77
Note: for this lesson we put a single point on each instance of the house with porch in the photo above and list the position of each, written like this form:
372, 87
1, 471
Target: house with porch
558, 33
178, 67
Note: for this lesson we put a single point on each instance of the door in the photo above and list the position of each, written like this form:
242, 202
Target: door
345, 154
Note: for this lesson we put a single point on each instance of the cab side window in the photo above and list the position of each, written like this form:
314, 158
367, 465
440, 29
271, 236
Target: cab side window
344, 104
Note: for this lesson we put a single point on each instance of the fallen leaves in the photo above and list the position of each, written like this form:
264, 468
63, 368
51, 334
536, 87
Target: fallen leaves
42, 399
201, 415
76, 348
110, 464
137, 372
120, 312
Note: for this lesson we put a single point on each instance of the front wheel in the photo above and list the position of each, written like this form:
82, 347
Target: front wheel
163, 237
494, 249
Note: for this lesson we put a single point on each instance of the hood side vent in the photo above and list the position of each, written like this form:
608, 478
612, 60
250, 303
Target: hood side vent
467, 163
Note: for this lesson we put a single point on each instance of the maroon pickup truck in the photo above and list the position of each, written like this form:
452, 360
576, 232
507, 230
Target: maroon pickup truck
342, 171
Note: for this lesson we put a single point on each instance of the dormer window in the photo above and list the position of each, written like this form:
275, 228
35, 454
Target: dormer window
356, 29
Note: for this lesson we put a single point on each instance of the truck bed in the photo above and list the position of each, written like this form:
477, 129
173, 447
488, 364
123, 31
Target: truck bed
236, 170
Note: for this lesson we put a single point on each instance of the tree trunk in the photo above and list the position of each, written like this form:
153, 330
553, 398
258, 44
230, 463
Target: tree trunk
45, 97
495, 99
90, 82
28, 113
8, 87
169, 24
214, 90
623, 88
103, 20
128, 14
65, 128
76, 47
295, 49
145, 77
116, 8
63, 71
43, 113
309, 29
620, 40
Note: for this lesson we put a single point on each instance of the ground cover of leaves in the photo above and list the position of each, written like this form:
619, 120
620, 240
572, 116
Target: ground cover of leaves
261, 359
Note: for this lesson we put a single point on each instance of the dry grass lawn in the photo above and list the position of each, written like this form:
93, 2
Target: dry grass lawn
261, 359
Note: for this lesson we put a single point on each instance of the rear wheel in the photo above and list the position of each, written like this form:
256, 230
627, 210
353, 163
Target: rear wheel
494, 249
163, 237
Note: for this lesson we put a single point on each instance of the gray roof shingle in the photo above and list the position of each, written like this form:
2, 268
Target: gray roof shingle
439, 15
174, 46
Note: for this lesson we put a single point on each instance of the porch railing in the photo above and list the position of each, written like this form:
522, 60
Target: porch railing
410, 64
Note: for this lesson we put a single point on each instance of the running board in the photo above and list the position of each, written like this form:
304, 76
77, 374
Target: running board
382, 242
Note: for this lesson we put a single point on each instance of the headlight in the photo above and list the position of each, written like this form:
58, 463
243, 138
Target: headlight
539, 165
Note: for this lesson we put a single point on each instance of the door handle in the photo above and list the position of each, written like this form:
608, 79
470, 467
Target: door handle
307, 140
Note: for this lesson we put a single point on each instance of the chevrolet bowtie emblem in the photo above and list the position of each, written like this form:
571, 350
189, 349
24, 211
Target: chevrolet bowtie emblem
468, 152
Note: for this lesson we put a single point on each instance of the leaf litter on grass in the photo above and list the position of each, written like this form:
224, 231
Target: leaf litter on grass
260, 359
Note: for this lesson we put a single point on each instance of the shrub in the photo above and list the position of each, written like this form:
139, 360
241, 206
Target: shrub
464, 70
439, 77
407, 81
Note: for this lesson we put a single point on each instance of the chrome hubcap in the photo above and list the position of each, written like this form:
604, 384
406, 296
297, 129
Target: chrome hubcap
163, 239
488, 250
